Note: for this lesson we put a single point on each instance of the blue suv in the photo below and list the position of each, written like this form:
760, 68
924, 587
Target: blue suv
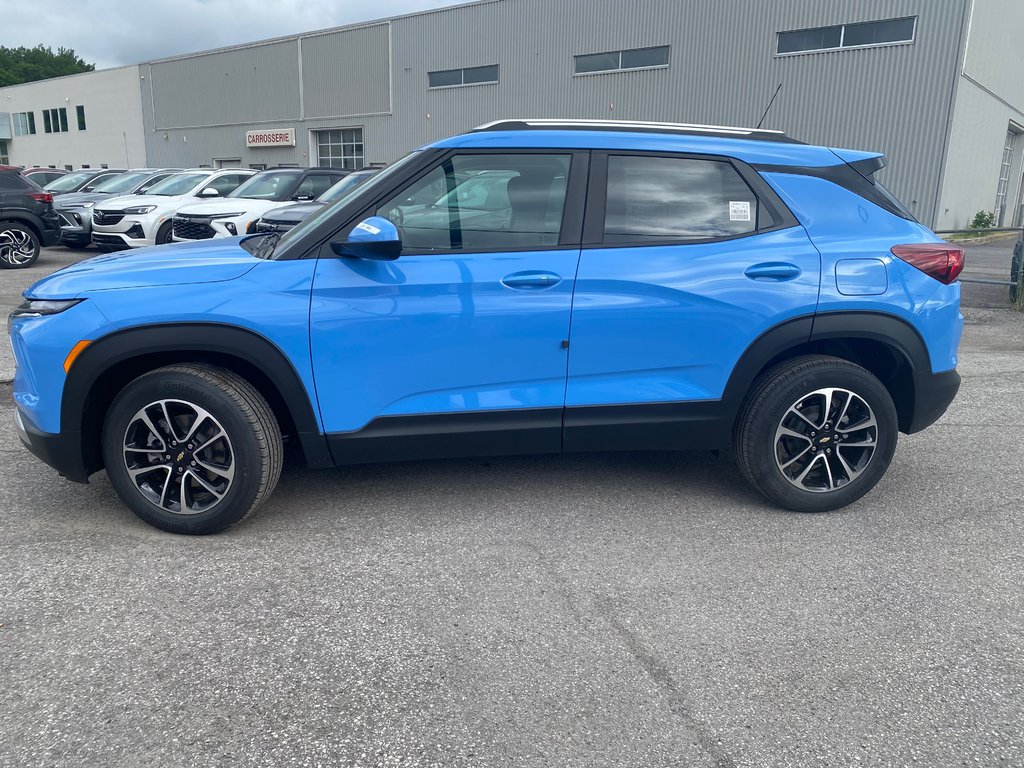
532, 286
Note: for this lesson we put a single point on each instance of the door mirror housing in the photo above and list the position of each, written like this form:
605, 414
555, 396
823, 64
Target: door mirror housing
375, 239
210, 192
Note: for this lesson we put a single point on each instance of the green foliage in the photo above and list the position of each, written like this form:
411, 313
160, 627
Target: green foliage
984, 220
25, 65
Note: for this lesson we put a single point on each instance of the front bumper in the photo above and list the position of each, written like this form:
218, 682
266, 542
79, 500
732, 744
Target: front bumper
75, 225
62, 451
933, 392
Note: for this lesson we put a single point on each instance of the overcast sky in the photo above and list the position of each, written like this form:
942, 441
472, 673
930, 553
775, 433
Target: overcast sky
111, 33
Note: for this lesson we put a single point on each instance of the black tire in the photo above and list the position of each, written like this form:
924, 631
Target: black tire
163, 235
252, 449
761, 456
19, 246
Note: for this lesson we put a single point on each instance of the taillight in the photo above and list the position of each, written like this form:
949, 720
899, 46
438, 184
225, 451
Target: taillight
42, 197
942, 261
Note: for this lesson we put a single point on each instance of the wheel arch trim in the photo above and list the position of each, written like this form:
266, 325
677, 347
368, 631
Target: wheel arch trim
202, 338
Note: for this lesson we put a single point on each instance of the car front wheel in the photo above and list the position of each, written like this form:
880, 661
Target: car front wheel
192, 449
816, 433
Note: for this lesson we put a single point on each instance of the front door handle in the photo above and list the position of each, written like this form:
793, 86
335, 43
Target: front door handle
531, 281
773, 270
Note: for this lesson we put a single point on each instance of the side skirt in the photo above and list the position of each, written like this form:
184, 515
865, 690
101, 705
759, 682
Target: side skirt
645, 427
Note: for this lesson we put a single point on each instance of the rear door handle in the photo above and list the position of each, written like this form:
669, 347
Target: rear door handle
773, 270
531, 281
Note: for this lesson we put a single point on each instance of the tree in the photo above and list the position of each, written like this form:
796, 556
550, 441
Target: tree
25, 65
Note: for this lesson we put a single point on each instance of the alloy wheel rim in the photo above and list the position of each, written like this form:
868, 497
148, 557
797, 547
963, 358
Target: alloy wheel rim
179, 457
826, 440
16, 247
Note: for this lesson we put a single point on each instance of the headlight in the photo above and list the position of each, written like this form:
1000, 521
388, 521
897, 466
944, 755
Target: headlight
38, 308
139, 210
88, 205
230, 227
226, 215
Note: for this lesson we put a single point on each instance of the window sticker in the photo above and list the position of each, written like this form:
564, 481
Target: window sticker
739, 210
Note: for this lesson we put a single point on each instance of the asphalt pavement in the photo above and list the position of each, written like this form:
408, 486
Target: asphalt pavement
589, 610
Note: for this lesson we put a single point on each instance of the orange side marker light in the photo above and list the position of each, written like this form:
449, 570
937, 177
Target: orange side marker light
74, 353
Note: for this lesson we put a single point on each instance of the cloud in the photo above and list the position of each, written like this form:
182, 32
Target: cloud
111, 34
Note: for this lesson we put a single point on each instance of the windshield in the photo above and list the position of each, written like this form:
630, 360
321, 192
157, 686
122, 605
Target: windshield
178, 184
344, 186
123, 183
267, 186
68, 182
328, 211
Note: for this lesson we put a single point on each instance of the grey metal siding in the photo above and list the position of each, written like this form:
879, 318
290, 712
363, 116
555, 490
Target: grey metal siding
253, 84
347, 72
723, 69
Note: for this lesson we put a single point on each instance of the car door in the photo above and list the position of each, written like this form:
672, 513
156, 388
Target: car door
458, 346
686, 261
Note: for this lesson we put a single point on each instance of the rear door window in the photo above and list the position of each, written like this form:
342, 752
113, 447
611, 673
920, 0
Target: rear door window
662, 199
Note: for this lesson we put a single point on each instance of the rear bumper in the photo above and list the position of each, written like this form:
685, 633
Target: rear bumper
59, 451
933, 392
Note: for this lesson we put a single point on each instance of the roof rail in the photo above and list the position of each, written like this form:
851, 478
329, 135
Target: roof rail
528, 124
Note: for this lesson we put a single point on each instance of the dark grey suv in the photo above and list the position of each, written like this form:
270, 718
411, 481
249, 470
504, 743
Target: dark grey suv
27, 220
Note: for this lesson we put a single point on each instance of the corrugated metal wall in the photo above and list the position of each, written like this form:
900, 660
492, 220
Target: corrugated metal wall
723, 69
347, 73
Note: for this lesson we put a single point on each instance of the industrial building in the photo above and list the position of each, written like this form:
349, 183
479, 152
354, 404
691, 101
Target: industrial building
938, 85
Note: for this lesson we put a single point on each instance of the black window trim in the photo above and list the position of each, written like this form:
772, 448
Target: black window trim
571, 230
620, 68
841, 47
597, 199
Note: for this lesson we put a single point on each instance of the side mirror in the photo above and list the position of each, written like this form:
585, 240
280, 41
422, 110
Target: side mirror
87, 188
210, 192
375, 238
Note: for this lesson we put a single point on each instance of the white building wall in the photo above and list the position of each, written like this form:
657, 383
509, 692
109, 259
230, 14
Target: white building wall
113, 118
989, 100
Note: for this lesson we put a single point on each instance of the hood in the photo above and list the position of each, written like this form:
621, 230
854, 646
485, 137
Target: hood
131, 201
295, 213
206, 261
77, 198
241, 205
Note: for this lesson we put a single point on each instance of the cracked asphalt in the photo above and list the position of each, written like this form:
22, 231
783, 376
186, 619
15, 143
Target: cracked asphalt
590, 610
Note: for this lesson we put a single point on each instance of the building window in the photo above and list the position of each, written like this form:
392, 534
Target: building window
4, 159
467, 76
868, 33
615, 61
80, 112
24, 123
341, 148
55, 120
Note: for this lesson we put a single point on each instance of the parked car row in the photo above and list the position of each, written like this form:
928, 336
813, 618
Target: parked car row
117, 208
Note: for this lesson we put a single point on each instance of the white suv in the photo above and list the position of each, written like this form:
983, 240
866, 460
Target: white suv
140, 220
238, 213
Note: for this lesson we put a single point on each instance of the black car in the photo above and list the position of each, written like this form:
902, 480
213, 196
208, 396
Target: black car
82, 180
27, 220
284, 218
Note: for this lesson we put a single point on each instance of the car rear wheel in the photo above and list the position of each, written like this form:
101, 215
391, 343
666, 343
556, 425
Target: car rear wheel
19, 246
816, 433
192, 449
